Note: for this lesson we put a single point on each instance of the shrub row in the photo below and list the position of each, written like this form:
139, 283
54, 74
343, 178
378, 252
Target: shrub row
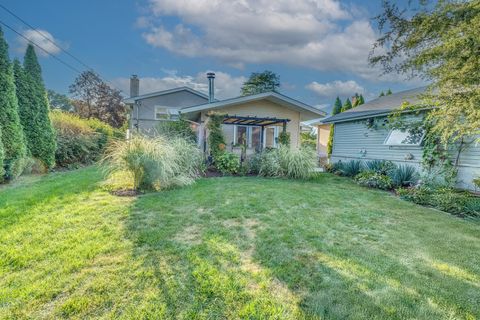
79, 141
404, 179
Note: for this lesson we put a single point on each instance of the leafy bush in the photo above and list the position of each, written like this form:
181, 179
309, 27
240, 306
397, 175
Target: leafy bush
380, 166
79, 141
216, 140
228, 163
374, 180
445, 199
476, 182
154, 164
308, 139
254, 162
350, 168
404, 176
270, 164
284, 139
177, 129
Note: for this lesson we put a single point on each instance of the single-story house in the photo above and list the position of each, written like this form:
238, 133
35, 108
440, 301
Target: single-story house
363, 133
254, 121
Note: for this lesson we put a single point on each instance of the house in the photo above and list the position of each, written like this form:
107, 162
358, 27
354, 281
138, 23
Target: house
363, 133
254, 121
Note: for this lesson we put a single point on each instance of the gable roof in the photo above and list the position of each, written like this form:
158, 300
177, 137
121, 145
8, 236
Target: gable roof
164, 92
271, 96
379, 106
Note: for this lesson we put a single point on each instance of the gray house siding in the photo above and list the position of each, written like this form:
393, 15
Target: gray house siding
354, 140
144, 114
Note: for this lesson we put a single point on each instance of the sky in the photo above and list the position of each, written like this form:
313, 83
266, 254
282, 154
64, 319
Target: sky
319, 48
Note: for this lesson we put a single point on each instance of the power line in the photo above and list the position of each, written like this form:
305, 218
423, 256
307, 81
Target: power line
55, 44
45, 37
44, 50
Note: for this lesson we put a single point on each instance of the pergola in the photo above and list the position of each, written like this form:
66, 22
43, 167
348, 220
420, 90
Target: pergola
255, 121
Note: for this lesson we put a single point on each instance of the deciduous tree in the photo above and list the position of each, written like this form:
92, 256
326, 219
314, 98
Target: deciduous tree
441, 43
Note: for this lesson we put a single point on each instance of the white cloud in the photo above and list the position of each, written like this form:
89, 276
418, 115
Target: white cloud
226, 86
336, 88
319, 34
43, 39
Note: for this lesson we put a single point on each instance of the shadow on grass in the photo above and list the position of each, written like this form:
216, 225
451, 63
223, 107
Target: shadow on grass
276, 249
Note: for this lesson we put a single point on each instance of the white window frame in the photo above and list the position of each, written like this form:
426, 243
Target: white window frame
165, 112
275, 136
392, 131
249, 134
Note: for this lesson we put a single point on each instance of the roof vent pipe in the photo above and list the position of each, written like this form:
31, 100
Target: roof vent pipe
134, 86
211, 87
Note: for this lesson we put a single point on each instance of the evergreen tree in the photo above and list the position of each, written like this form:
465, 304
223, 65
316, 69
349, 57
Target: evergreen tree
361, 100
34, 110
389, 92
347, 105
261, 82
337, 106
12, 133
2, 155
382, 94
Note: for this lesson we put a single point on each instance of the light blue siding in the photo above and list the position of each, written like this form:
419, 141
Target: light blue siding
354, 140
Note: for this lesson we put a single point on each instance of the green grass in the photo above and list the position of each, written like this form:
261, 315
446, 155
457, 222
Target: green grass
231, 248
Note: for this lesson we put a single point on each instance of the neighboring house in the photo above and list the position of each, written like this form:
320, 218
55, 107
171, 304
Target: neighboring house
363, 133
254, 121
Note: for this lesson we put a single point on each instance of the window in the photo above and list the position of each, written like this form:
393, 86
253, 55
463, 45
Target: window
247, 135
161, 113
398, 137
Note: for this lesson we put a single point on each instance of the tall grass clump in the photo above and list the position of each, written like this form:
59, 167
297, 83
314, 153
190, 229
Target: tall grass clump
287, 162
154, 163
380, 166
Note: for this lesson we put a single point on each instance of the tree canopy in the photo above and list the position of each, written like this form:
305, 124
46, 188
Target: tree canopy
441, 43
59, 101
347, 105
337, 106
259, 82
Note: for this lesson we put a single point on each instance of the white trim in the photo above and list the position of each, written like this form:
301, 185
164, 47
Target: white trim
275, 136
165, 112
402, 144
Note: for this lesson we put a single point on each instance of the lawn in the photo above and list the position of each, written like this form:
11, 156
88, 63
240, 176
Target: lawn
231, 248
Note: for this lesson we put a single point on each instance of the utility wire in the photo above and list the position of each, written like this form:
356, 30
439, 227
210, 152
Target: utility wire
44, 50
54, 43
45, 37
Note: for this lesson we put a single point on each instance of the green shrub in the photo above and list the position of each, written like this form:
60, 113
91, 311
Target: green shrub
177, 129
216, 140
476, 182
154, 163
380, 166
228, 163
350, 168
79, 141
446, 199
270, 164
2, 156
284, 139
404, 176
254, 162
373, 179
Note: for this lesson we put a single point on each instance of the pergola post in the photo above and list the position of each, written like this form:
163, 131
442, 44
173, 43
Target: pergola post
261, 138
284, 127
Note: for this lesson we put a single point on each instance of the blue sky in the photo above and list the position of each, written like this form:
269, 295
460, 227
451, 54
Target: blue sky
318, 47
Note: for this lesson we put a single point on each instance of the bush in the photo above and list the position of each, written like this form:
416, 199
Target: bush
216, 140
154, 164
374, 180
350, 168
380, 166
446, 199
177, 129
404, 176
254, 162
79, 141
284, 139
297, 163
228, 163
270, 164
476, 182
